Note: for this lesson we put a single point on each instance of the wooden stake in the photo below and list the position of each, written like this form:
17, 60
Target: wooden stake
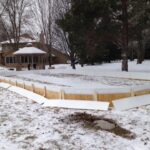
32, 87
62, 94
95, 96
45, 91
23, 85
132, 92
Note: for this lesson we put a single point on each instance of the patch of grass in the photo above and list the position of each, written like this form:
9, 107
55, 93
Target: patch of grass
87, 121
31, 137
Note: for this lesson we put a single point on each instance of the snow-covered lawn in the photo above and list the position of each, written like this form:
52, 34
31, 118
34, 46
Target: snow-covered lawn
76, 81
103, 76
2, 68
25, 125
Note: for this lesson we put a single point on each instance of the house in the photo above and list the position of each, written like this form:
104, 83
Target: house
28, 57
30, 54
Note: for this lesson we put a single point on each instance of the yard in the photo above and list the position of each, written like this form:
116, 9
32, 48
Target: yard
103, 76
25, 124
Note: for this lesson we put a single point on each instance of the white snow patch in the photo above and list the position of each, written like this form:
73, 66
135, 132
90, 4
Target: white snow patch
26, 125
131, 102
77, 104
30, 95
22, 40
29, 50
4, 85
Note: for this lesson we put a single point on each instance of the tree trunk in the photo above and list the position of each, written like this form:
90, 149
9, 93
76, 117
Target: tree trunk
73, 64
125, 64
140, 51
49, 47
50, 57
81, 63
49, 61
2, 59
124, 36
72, 60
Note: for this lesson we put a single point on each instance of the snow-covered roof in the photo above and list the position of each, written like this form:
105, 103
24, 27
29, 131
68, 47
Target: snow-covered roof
22, 40
29, 50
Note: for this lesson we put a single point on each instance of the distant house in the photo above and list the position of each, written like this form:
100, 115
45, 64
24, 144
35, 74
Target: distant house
30, 54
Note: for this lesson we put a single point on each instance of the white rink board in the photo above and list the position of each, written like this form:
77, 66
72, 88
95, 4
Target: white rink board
73, 104
77, 104
4, 85
33, 96
131, 102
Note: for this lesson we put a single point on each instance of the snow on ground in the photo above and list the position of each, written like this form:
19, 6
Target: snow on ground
131, 102
29, 50
2, 68
27, 125
74, 104
103, 76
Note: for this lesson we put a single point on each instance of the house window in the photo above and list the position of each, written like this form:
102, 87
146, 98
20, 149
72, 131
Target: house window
14, 59
35, 59
22, 59
26, 59
10, 60
7, 60
30, 59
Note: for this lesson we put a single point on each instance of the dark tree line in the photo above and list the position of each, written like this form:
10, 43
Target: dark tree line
89, 31
95, 28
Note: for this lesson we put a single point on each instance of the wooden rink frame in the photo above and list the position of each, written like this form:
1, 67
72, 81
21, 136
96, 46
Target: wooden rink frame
102, 97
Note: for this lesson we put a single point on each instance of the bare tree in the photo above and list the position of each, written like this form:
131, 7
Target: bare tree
61, 7
124, 35
43, 12
13, 17
140, 25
